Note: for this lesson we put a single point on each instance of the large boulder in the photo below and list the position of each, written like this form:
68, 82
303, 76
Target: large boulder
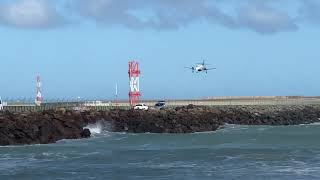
85, 133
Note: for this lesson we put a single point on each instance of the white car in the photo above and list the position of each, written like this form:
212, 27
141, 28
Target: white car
141, 107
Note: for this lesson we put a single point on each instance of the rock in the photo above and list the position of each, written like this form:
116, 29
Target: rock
53, 125
85, 133
62, 110
190, 106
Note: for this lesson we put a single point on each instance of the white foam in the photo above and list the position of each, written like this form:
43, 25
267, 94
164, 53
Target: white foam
95, 128
311, 124
315, 124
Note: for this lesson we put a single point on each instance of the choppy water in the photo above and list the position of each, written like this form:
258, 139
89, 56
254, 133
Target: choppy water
236, 152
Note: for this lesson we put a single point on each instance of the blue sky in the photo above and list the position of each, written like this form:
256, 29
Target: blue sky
81, 48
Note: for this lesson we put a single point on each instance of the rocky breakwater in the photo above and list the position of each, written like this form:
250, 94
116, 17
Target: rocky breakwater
191, 119
270, 115
179, 120
51, 126
44, 127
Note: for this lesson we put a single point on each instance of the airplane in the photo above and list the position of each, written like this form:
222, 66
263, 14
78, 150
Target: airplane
200, 67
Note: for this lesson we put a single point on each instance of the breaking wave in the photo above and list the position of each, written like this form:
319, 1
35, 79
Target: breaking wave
99, 127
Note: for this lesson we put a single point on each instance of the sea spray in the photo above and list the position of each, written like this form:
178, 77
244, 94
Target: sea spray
99, 127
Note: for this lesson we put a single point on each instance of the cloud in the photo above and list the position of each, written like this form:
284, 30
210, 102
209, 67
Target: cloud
264, 19
172, 14
262, 16
156, 14
310, 11
30, 14
109, 12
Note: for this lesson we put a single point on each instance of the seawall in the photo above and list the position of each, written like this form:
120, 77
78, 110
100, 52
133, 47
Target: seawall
52, 125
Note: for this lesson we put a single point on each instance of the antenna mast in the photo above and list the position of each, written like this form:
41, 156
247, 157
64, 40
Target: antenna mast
38, 99
116, 95
134, 91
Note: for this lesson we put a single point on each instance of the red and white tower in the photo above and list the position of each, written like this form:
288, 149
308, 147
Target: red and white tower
38, 99
134, 73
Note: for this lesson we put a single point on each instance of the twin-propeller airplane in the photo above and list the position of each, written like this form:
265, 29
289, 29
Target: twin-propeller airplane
200, 67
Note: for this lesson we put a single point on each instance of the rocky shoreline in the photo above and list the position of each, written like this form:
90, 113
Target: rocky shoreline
53, 125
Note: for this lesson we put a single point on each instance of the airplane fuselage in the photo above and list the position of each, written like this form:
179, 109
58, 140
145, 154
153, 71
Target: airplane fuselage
200, 68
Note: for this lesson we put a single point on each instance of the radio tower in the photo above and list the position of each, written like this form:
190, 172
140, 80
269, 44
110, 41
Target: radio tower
38, 99
134, 73
116, 95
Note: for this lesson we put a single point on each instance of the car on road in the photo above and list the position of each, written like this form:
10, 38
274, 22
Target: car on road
160, 105
141, 106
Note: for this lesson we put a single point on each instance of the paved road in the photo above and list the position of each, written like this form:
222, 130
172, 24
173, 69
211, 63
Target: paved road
212, 102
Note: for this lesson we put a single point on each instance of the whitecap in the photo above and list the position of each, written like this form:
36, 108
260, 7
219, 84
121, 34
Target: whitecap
315, 124
94, 128
99, 127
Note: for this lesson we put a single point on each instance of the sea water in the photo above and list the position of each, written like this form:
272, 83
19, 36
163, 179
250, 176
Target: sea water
234, 152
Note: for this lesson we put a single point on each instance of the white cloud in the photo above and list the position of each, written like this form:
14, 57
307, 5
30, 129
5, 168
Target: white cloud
29, 14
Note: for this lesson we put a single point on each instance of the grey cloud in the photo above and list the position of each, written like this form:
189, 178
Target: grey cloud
171, 14
261, 16
30, 14
179, 13
265, 19
310, 11
157, 14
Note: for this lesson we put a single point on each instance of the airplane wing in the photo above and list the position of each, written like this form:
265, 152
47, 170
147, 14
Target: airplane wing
192, 68
211, 69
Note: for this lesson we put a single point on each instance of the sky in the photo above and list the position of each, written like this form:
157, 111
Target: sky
81, 48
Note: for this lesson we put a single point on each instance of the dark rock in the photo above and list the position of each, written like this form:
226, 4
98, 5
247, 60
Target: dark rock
190, 106
85, 133
51, 126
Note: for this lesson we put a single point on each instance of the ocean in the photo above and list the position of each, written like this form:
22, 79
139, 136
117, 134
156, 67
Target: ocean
233, 152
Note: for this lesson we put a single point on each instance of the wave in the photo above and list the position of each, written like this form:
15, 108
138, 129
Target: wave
99, 127
314, 124
94, 128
